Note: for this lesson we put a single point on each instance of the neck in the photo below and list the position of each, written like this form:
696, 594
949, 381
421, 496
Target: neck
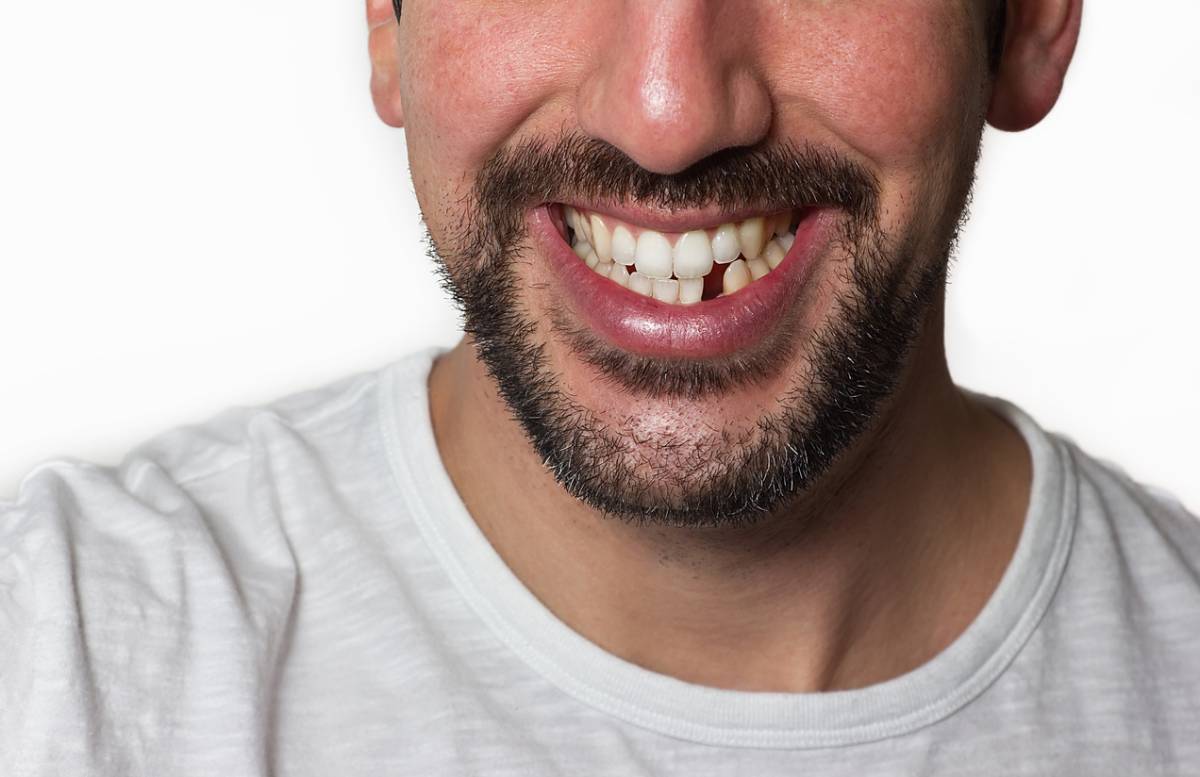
866, 577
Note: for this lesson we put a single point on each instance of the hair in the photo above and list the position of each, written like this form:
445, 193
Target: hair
996, 28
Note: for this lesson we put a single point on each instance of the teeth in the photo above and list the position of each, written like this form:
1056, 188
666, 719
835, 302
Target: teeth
773, 254
693, 255
690, 290
641, 284
725, 244
666, 290
601, 240
751, 236
653, 255
676, 274
737, 276
624, 247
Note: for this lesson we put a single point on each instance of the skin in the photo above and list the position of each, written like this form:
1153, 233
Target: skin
891, 555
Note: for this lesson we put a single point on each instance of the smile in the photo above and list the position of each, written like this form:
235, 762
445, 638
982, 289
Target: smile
684, 286
682, 268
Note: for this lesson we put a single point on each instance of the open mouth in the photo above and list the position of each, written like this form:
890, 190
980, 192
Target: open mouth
680, 285
681, 268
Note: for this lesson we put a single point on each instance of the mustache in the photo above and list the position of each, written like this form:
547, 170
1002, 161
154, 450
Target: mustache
575, 167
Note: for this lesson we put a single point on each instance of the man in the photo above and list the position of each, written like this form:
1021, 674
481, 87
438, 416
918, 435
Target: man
695, 495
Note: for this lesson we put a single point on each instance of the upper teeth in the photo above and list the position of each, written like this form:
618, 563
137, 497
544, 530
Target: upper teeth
602, 242
693, 255
653, 254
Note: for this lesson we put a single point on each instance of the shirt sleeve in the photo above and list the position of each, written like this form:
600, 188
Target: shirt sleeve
135, 637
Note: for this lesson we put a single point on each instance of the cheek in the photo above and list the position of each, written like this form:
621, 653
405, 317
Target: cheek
473, 74
895, 80
902, 84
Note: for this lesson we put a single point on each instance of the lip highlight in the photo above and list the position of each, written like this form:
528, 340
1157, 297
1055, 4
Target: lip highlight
708, 329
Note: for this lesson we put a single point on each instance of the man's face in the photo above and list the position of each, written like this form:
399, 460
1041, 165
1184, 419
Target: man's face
557, 146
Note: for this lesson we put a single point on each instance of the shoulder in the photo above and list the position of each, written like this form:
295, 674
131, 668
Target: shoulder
1132, 585
157, 482
1110, 513
78, 533
210, 478
119, 583
1147, 525
194, 490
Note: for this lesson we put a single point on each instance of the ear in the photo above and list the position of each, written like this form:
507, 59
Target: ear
384, 45
1039, 42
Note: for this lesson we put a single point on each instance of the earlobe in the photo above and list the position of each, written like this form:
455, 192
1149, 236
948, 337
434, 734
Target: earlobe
384, 46
1039, 45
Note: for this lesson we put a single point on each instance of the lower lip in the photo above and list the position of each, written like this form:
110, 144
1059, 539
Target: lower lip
711, 328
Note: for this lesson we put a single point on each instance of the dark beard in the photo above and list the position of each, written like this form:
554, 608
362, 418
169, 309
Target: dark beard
722, 477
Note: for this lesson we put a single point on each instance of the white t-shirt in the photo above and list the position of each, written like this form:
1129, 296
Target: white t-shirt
298, 590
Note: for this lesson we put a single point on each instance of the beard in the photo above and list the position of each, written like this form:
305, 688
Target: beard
715, 474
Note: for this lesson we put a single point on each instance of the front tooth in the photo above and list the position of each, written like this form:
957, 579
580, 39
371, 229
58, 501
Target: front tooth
666, 290
624, 247
691, 290
737, 276
751, 236
774, 253
601, 240
653, 254
693, 255
642, 284
758, 267
619, 274
725, 245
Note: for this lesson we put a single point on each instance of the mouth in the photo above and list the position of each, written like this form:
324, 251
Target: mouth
700, 286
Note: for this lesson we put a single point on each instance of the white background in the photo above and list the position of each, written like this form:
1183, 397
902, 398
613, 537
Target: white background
198, 208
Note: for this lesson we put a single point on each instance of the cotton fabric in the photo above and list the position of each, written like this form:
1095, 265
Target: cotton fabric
297, 589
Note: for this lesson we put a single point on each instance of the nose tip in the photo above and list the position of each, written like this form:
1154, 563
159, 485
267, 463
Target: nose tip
673, 85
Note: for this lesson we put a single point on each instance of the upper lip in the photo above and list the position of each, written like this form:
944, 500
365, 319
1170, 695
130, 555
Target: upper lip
668, 220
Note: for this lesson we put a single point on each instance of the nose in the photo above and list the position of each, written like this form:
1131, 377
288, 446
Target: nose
674, 82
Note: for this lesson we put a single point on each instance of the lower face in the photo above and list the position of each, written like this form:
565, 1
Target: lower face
696, 348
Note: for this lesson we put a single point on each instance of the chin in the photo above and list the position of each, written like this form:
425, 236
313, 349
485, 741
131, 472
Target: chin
690, 365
